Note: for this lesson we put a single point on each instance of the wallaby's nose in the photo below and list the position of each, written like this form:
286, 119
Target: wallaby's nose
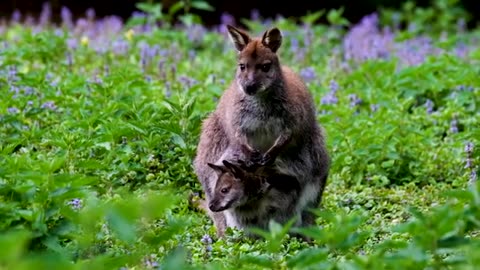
251, 89
213, 207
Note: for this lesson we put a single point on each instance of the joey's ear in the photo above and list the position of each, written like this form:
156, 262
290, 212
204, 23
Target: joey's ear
272, 38
235, 170
238, 37
216, 168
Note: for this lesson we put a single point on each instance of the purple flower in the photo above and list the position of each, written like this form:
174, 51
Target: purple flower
374, 107
354, 100
150, 261
72, 43
469, 148
76, 203
465, 88
308, 36
363, 40
66, 16
13, 110
206, 239
227, 18
50, 105
429, 105
12, 73
255, 14
192, 54
46, 14
138, 14
30, 103
69, 59
473, 176
469, 151
333, 86
196, 33
308, 74
14, 89
187, 81
90, 14
294, 45
28, 90
168, 91
120, 47
329, 98
454, 125
300, 54
16, 16
29, 20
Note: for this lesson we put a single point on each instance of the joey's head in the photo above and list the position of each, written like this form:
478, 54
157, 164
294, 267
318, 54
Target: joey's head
229, 190
258, 66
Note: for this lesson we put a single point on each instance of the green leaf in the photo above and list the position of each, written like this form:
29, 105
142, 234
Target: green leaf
453, 241
259, 260
122, 226
16, 241
308, 257
177, 259
202, 5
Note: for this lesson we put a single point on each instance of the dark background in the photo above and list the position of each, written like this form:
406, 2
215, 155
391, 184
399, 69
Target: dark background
354, 9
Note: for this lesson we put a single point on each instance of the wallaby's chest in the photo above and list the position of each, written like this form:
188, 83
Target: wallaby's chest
262, 129
262, 133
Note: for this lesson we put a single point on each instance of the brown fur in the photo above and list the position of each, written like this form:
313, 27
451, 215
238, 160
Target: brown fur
256, 109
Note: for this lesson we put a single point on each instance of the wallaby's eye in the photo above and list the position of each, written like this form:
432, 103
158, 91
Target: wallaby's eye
266, 67
242, 67
224, 190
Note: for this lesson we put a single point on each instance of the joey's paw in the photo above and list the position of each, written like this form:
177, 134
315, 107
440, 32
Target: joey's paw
266, 159
255, 157
247, 165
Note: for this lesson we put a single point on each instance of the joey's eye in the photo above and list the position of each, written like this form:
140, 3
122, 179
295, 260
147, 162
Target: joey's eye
224, 190
242, 67
266, 67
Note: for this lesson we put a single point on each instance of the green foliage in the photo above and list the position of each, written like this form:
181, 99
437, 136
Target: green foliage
155, 12
96, 147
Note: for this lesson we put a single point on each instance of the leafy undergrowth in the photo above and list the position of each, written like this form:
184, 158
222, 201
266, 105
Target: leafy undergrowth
100, 121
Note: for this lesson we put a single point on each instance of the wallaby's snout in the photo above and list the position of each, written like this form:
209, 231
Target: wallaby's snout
215, 206
251, 88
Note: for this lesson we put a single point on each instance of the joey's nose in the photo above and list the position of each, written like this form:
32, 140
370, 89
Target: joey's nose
251, 89
213, 207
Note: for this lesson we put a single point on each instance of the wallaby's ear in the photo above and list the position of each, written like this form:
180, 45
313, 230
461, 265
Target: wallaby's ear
235, 170
238, 37
272, 38
216, 168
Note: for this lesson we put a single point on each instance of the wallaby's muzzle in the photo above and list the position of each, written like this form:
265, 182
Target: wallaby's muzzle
251, 89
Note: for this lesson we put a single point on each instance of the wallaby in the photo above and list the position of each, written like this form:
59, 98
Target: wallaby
267, 104
237, 185
251, 196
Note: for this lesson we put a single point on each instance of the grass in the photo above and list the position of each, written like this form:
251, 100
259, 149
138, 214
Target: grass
99, 127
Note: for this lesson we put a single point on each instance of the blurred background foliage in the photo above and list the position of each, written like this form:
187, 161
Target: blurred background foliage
353, 10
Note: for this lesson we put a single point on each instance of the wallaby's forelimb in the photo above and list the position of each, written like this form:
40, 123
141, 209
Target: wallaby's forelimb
218, 218
280, 143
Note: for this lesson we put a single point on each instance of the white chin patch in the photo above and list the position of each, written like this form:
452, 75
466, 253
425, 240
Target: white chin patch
240, 87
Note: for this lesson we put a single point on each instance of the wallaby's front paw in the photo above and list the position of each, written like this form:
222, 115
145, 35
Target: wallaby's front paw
266, 159
255, 157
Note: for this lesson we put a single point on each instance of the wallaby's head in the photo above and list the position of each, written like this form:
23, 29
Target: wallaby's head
258, 64
234, 186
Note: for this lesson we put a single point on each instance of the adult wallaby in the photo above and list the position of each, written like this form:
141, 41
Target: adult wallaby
267, 104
